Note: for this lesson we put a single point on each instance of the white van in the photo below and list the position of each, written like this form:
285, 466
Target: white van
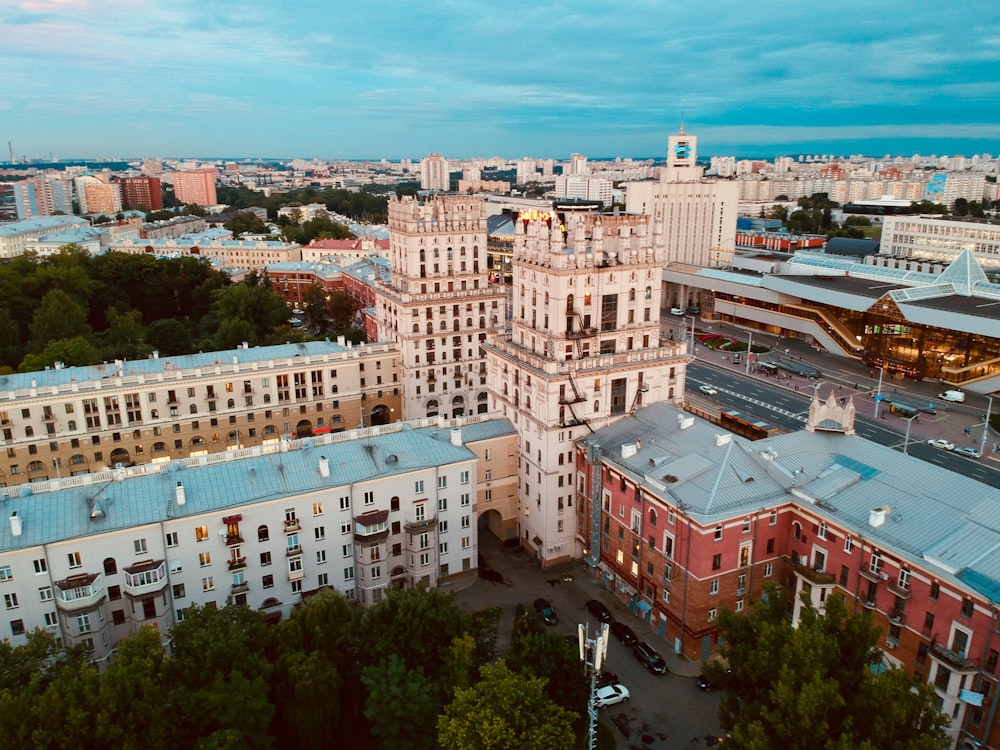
956, 396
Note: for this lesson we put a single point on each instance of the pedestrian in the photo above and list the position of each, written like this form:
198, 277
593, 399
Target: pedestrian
968, 431
994, 447
855, 386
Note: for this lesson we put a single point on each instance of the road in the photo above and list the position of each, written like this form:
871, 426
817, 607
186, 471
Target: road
779, 403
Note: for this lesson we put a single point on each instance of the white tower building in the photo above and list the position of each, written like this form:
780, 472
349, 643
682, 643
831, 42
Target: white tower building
434, 173
584, 350
439, 303
698, 214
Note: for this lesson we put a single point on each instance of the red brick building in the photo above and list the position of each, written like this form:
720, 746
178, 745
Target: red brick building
141, 192
681, 518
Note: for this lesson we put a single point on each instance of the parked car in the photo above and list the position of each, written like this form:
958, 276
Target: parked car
609, 695
548, 614
707, 389
941, 443
606, 678
677, 311
649, 657
706, 683
624, 633
598, 610
968, 452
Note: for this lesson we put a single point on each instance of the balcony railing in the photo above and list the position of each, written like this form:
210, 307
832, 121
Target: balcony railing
241, 588
294, 550
145, 578
237, 563
232, 539
80, 592
901, 592
292, 524
954, 659
814, 575
414, 521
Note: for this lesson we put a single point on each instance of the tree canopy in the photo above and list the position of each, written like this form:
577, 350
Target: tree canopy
813, 685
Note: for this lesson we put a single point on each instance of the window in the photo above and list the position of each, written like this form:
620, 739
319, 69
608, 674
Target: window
746, 526
118, 616
10, 601
465, 522
739, 605
935, 591
265, 559
40, 566
171, 538
767, 570
443, 548
294, 564
296, 587
967, 608
821, 532
716, 562
848, 544
317, 509
349, 573
718, 533
110, 566
83, 623
347, 550
320, 533
466, 542
712, 614
369, 497
346, 527
201, 533
267, 581
773, 520
376, 572
323, 579
418, 486
45, 594
17, 627
320, 556
179, 592
463, 478
263, 534
207, 584
5, 573
204, 559
713, 587
345, 503
74, 560
140, 546
442, 527
443, 503
464, 499
175, 566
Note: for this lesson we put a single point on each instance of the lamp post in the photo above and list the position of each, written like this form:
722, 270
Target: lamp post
593, 652
691, 318
878, 393
906, 440
986, 424
749, 350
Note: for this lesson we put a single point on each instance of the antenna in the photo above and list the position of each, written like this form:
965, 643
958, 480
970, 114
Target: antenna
10, 147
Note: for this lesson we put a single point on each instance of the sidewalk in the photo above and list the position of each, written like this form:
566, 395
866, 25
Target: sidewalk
855, 379
567, 587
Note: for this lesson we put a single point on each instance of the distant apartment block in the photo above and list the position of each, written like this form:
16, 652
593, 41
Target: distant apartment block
141, 192
246, 254
584, 188
941, 238
196, 186
15, 236
169, 229
42, 196
99, 197
68, 421
434, 174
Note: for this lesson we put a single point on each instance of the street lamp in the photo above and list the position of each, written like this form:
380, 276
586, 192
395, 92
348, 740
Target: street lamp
593, 652
749, 350
691, 318
986, 424
906, 440
878, 393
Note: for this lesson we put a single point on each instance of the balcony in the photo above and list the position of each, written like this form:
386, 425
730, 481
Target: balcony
144, 578
371, 527
83, 591
294, 551
292, 524
234, 539
818, 577
954, 659
417, 522
869, 604
896, 617
902, 593
296, 575
241, 588
237, 563
874, 576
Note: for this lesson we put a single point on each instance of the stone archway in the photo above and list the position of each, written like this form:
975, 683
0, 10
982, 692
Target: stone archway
304, 429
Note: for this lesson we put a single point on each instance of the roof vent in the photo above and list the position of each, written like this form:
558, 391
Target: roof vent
179, 494
391, 458
876, 517
324, 467
684, 421
15, 524
96, 512
724, 438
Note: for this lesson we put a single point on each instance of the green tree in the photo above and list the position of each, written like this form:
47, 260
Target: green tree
314, 309
218, 678
812, 686
76, 351
58, 317
169, 336
246, 313
245, 222
505, 710
400, 702
124, 336
341, 309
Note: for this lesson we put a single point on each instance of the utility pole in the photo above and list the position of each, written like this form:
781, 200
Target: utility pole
593, 652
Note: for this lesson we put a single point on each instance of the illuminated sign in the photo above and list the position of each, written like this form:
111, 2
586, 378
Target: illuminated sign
682, 150
535, 215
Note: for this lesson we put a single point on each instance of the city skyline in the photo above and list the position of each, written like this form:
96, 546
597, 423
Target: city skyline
393, 80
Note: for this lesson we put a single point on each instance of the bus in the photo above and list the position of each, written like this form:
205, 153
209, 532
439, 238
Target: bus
746, 425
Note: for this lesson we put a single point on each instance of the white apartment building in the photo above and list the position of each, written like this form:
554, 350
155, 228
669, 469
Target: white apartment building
584, 350
698, 215
439, 303
94, 558
434, 173
228, 253
585, 188
940, 238
15, 235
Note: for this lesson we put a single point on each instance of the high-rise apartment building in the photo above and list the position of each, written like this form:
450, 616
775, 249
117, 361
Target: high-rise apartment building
42, 196
98, 197
439, 303
196, 186
141, 192
698, 215
434, 174
584, 351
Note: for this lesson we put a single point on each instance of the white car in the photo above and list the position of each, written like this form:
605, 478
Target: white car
941, 443
678, 311
707, 389
609, 695
969, 452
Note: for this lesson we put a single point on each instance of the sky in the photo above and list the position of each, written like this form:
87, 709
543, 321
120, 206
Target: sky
374, 79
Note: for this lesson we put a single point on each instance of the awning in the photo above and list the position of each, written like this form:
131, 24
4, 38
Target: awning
644, 606
970, 697
232, 519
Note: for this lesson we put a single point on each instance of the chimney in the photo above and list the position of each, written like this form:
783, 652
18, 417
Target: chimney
324, 467
876, 517
179, 494
15, 524
456, 437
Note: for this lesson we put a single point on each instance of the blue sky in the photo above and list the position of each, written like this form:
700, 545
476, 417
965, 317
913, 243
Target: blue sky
394, 79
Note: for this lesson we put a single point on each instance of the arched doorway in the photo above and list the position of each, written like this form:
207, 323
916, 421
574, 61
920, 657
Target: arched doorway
458, 406
380, 414
120, 458
432, 408
304, 429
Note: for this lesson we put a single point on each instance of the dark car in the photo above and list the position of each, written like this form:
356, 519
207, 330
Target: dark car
624, 633
545, 610
649, 657
606, 678
598, 610
706, 683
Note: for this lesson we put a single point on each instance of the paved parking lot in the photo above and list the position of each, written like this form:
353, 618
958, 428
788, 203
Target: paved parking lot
666, 712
